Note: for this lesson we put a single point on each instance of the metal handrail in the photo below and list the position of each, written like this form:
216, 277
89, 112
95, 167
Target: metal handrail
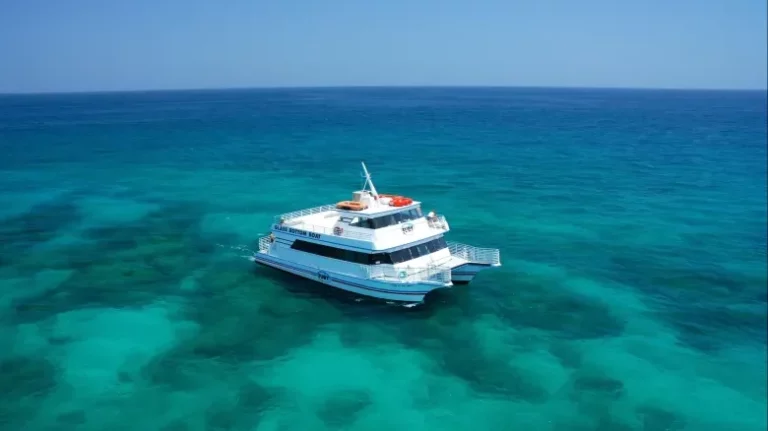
305, 212
264, 244
407, 275
475, 254
389, 272
345, 233
283, 218
438, 222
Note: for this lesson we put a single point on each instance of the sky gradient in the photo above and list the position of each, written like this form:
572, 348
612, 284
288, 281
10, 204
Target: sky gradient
91, 45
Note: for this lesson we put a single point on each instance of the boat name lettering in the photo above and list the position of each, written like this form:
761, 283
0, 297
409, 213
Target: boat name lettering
297, 231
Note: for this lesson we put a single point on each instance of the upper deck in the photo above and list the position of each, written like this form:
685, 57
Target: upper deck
376, 209
376, 229
369, 221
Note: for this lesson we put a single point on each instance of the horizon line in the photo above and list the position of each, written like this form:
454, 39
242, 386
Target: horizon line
403, 86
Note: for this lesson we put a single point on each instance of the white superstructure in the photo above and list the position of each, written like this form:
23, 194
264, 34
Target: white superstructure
374, 245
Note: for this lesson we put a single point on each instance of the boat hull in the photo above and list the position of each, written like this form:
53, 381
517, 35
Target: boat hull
401, 292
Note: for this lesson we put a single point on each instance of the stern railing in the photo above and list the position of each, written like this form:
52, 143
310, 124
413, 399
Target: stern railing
489, 256
264, 244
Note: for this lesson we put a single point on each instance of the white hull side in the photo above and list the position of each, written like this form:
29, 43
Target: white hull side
405, 292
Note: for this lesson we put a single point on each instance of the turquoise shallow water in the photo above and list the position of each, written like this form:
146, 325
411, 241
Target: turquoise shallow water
632, 227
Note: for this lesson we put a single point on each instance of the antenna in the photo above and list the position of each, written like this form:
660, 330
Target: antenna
369, 182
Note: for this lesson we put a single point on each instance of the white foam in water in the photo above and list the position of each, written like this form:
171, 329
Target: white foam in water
240, 248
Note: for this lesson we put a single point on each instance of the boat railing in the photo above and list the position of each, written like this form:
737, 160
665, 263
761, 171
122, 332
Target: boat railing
264, 243
438, 222
408, 275
344, 233
301, 213
470, 253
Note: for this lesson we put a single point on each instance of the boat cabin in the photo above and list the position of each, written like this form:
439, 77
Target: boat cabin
371, 210
380, 221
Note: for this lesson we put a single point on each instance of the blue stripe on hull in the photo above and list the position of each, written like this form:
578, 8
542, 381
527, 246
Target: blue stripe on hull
313, 276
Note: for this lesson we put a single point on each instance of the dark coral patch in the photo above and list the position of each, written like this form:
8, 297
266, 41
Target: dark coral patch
342, 408
25, 381
126, 266
659, 419
565, 315
40, 224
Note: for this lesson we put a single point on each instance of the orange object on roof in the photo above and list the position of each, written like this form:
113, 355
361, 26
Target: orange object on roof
401, 201
351, 205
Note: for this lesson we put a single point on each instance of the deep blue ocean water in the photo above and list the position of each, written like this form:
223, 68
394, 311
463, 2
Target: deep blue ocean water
632, 228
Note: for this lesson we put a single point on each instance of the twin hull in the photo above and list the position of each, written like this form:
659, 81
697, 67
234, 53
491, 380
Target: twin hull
404, 284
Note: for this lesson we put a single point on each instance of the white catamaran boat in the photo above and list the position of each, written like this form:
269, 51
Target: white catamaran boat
375, 245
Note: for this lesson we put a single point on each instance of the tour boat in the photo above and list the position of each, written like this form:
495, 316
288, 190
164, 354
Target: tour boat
377, 245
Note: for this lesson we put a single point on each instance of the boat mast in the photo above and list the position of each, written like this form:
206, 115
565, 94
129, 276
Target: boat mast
369, 182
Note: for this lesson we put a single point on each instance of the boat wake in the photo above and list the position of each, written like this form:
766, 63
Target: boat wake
240, 248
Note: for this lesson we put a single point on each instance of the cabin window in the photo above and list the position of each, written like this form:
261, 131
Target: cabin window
412, 214
362, 222
400, 256
380, 259
436, 245
396, 218
397, 256
418, 250
384, 221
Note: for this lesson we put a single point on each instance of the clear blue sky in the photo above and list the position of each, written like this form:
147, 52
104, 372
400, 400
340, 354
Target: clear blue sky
92, 45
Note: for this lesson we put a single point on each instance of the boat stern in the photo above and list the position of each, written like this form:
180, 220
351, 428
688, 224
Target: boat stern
468, 261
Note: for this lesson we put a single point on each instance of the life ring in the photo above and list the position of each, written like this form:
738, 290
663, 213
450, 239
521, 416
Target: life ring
401, 201
402, 274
